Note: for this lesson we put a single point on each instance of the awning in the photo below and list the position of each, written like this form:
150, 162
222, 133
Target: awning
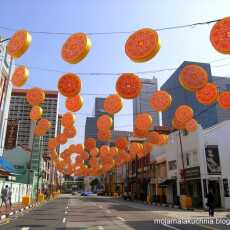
165, 183
6, 165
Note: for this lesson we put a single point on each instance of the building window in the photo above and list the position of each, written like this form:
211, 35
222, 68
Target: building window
172, 165
227, 86
187, 159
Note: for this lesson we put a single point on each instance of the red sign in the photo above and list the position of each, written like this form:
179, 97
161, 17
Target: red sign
11, 134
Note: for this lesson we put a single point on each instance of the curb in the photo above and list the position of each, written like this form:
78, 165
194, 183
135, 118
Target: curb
3, 217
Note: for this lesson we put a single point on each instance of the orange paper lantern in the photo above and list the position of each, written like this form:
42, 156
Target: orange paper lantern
191, 126
36, 113
19, 43
69, 85
68, 119
104, 122
20, 76
163, 139
70, 132
140, 132
104, 150
153, 137
35, 96
143, 121
220, 37
177, 125
183, 113
121, 142
44, 123
148, 147
224, 100
193, 77
113, 104
61, 139
75, 48
160, 101
90, 143
104, 135
80, 148
142, 45
74, 104
208, 94
128, 86
113, 151
94, 152
39, 131
52, 143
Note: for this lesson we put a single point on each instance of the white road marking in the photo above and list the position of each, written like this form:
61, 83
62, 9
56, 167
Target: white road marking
64, 220
25, 228
100, 227
66, 212
120, 218
108, 211
100, 206
171, 227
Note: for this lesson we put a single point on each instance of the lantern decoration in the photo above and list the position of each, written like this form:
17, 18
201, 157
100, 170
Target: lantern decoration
142, 45
135, 148
183, 113
90, 143
113, 104
219, 36
113, 151
35, 96
121, 142
153, 137
148, 147
61, 139
70, 132
74, 104
84, 156
104, 122
193, 77
68, 119
94, 152
140, 132
76, 48
53, 154
39, 131
104, 150
143, 121
191, 126
104, 135
163, 139
177, 125
80, 148
128, 86
44, 124
19, 43
224, 100
160, 101
69, 85
52, 143
36, 113
20, 76
208, 94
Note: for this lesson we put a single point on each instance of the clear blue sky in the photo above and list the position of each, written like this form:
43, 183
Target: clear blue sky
107, 54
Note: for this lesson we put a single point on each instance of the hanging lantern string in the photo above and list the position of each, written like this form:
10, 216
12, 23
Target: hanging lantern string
119, 73
192, 25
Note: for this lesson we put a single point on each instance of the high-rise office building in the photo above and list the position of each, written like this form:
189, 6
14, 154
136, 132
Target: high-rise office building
6, 69
141, 103
90, 125
205, 115
20, 109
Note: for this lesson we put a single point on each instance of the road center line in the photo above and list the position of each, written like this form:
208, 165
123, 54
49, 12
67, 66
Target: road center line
64, 220
171, 227
120, 218
100, 227
25, 228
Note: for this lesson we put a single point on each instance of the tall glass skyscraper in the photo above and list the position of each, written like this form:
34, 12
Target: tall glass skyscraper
205, 115
141, 103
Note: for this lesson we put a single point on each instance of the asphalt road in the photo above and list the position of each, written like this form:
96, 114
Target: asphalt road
74, 212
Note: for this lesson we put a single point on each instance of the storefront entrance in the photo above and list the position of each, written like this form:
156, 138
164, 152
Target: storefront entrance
214, 187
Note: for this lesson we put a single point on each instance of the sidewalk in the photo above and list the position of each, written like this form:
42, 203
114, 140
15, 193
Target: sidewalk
6, 211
